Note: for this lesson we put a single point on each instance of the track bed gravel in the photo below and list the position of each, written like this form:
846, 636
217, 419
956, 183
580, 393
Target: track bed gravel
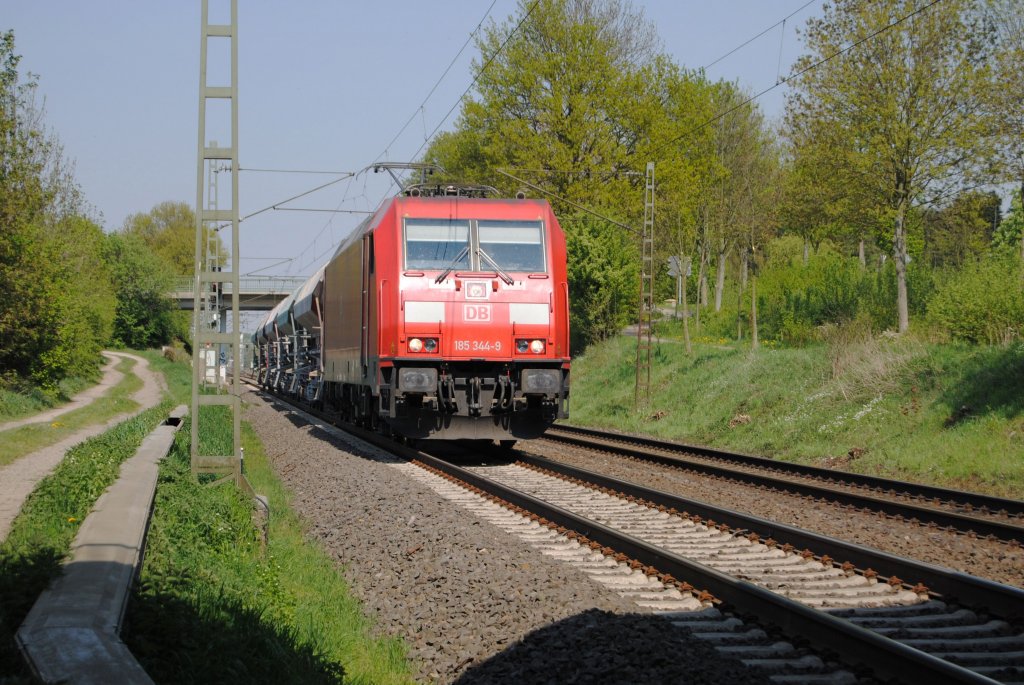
984, 558
474, 604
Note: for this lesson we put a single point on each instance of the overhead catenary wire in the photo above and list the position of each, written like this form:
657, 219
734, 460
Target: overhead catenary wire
420, 110
570, 202
294, 171
751, 40
348, 174
721, 115
332, 211
815, 65
277, 262
483, 68
329, 224
479, 73
782, 40
615, 172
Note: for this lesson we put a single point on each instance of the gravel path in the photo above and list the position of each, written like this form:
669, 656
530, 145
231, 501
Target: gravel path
988, 559
475, 604
19, 478
111, 377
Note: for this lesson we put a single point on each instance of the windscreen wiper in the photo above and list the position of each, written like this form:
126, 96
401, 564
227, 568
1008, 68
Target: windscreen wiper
497, 269
452, 264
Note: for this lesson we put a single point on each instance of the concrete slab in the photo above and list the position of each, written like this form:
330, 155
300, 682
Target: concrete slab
71, 633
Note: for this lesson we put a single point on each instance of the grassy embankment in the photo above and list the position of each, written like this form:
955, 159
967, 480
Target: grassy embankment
25, 401
17, 442
214, 604
943, 414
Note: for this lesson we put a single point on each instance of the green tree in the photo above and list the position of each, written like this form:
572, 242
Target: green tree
904, 107
740, 145
962, 231
56, 307
760, 219
145, 315
680, 103
82, 296
977, 306
169, 229
24, 317
1010, 231
814, 204
1007, 116
562, 101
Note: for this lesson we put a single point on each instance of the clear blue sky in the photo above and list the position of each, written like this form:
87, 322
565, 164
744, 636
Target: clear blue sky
323, 85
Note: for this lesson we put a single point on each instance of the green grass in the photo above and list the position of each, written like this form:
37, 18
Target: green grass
17, 442
41, 535
214, 605
178, 375
21, 401
944, 414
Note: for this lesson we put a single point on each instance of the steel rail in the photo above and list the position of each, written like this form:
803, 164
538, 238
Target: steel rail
961, 522
998, 599
883, 656
976, 500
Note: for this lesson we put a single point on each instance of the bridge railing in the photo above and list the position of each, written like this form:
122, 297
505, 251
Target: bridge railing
246, 284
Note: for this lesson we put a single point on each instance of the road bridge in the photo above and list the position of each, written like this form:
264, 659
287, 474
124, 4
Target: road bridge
255, 293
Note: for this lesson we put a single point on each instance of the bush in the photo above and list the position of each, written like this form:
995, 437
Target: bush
982, 303
175, 352
602, 280
794, 299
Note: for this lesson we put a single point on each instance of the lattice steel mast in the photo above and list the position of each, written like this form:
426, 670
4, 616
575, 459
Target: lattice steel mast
218, 275
644, 327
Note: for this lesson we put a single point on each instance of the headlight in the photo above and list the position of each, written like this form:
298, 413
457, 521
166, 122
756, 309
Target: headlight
537, 346
430, 344
541, 381
415, 345
417, 380
522, 346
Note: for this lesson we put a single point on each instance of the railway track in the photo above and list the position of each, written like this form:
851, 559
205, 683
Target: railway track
964, 512
825, 611
904, 629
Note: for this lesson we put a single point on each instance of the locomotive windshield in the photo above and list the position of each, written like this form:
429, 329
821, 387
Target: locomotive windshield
501, 246
436, 244
513, 245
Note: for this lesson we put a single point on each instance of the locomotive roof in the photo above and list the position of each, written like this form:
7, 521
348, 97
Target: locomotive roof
425, 202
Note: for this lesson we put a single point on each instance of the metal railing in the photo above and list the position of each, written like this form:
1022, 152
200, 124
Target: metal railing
272, 285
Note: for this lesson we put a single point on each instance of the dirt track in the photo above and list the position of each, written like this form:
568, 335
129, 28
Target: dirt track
19, 478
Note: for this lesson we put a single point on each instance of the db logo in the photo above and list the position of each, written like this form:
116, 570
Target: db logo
476, 313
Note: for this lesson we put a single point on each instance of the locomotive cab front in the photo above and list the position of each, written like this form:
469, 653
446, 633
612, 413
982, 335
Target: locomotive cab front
480, 340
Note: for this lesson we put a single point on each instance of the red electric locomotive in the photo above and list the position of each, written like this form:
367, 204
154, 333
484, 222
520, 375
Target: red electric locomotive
441, 316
